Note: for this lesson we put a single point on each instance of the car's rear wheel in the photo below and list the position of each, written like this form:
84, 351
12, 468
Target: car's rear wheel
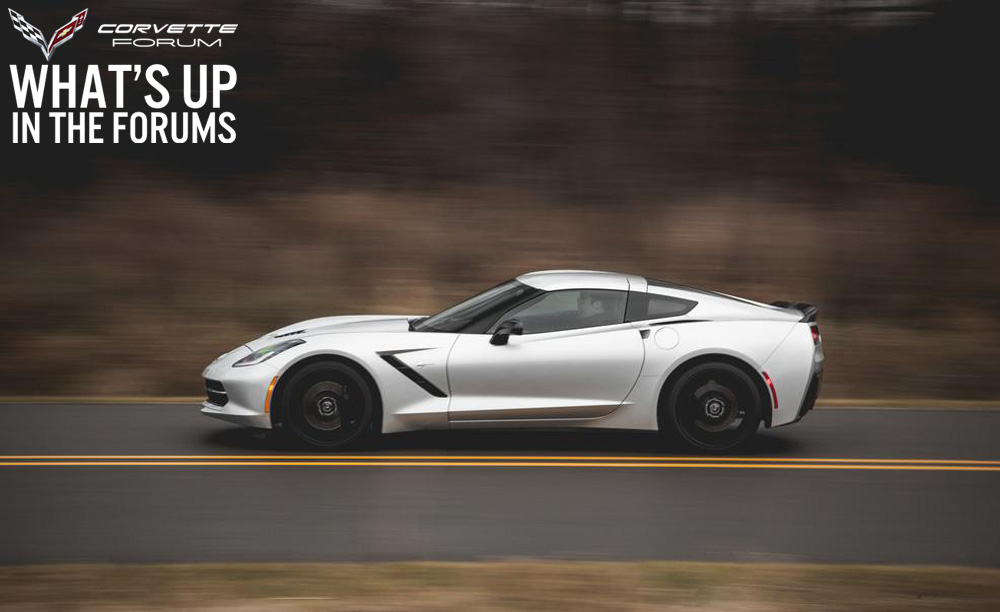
714, 407
329, 405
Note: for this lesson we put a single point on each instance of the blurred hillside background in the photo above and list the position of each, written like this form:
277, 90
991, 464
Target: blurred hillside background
396, 156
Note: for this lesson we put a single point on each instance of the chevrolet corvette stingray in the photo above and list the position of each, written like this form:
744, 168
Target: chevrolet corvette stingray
551, 349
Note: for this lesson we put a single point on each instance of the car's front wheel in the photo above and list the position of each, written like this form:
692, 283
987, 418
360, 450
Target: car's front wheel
329, 405
714, 407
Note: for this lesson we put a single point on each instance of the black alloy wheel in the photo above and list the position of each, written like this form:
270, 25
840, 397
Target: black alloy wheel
714, 407
329, 405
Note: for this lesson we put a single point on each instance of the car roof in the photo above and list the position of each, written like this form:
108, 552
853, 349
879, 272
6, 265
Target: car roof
721, 304
554, 280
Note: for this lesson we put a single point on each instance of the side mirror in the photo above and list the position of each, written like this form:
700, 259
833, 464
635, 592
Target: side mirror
510, 327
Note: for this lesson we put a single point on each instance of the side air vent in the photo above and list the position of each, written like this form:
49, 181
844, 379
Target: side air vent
407, 371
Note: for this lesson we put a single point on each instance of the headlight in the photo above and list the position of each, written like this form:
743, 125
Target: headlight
267, 352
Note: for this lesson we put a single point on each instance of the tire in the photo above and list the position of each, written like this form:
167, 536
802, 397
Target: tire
329, 405
713, 407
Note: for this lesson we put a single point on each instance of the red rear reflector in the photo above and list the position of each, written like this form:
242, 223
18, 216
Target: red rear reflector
770, 385
815, 332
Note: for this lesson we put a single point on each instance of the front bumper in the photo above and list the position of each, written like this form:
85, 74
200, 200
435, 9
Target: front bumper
237, 414
238, 395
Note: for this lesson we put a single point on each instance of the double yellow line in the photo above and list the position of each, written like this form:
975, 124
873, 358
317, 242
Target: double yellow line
550, 461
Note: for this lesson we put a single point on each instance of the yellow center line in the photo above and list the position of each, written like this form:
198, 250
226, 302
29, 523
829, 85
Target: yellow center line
507, 458
779, 466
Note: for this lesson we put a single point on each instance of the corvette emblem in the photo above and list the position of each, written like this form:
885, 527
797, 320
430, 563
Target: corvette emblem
35, 36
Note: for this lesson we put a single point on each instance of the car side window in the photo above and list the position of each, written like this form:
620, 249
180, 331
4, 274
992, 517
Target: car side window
570, 309
646, 306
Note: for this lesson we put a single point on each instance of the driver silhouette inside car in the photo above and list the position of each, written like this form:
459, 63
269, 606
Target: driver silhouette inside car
599, 308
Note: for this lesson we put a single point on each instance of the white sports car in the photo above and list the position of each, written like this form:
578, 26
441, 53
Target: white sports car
546, 349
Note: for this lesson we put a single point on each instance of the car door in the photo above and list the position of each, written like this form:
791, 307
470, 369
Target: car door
568, 364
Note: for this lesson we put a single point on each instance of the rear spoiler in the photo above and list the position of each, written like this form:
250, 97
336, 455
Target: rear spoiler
808, 310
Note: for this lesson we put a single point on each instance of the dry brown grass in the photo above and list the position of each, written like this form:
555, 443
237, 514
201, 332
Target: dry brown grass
497, 586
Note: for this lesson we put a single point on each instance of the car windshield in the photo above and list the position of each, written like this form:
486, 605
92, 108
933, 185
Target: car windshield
476, 314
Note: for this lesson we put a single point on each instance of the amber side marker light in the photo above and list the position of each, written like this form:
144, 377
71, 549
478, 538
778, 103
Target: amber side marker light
767, 379
274, 381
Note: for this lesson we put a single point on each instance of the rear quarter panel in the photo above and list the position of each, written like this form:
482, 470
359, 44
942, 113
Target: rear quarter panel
668, 347
791, 367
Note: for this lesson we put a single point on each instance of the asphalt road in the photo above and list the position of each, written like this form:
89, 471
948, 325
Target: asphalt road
820, 490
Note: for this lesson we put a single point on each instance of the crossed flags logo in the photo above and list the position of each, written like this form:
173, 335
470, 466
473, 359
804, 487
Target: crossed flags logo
34, 35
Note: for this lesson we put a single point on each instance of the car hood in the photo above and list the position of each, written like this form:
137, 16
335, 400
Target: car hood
328, 325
